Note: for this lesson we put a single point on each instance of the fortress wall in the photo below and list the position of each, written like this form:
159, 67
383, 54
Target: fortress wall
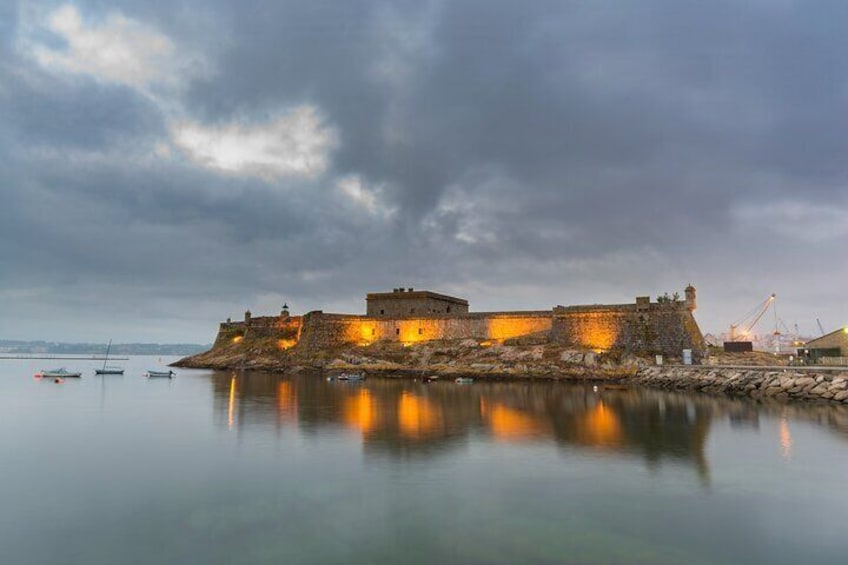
286, 330
334, 330
664, 329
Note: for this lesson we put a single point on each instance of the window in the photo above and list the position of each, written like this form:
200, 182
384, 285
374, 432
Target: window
397, 331
373, 331
448, 310
382, 311
412, 310
420, 331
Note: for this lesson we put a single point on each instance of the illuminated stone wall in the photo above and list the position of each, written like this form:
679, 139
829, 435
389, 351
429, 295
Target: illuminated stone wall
286, 330
334, 330
644, 329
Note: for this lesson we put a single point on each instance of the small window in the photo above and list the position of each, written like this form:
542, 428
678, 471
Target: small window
412, 310
397, 331
373, 331
448, 310
382, 311
420, 331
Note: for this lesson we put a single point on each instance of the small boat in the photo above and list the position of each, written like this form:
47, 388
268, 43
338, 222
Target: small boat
111, 370
464, 380
57, 374
164, 374
351, 377
430, 379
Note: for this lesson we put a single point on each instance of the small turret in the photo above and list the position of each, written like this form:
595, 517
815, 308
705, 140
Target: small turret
691, 303
247, 317
284, 313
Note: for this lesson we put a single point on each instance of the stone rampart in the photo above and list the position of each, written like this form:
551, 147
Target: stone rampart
322, 330
641, 329
286, 329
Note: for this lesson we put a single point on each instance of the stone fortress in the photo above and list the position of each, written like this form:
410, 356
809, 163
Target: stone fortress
665, 326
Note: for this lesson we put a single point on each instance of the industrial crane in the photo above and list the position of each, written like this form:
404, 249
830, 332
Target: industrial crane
742, 328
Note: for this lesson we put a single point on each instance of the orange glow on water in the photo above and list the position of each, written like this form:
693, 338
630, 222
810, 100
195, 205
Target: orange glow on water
785, 439
601, 427
509, 424
360, 411
416, 416
231, 404
286, 401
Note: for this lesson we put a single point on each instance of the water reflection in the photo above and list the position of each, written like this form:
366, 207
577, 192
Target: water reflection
410, 419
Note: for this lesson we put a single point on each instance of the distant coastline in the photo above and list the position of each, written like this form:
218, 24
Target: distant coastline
20, 347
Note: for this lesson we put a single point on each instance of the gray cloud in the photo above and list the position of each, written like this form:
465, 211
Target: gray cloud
522, 155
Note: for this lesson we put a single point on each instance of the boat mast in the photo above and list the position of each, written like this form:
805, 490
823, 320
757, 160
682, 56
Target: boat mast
108, 347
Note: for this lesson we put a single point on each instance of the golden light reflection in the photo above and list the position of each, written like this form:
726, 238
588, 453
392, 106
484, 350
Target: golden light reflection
238, 338
360, 411
286, 401
509, 424
417, 417
232, 403
785, 439
286, 343
600, 427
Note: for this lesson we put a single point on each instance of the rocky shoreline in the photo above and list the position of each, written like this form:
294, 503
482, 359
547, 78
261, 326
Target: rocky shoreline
534, 361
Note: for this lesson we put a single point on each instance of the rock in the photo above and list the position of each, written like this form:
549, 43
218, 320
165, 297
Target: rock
804, 381
590, 359
819, 390
571, 356
841, 395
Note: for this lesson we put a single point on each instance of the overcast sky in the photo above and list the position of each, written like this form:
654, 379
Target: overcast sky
167, 164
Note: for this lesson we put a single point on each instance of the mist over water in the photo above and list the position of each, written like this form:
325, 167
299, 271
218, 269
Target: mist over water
220, 467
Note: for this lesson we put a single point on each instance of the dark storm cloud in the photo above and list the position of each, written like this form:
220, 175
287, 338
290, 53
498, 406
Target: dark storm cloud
524, 154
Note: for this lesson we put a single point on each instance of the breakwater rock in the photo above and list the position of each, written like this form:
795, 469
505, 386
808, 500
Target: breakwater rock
785, 384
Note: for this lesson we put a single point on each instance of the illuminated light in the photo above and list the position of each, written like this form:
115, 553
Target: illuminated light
845, 330
500, 329
232, 403
360, 411
238, 338
286, 343
416, 416
511, 425
486, 344
785, 439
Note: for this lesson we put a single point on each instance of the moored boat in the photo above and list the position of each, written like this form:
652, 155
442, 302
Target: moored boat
164, 374
351, 377
57, 374
464, 380
111, 370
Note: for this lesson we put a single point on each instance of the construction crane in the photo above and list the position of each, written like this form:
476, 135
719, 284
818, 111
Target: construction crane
742, 328
821, 328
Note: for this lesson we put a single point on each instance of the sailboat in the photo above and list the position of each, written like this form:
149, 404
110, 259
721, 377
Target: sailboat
111, 370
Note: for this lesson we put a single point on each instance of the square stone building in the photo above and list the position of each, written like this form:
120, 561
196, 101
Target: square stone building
404, 302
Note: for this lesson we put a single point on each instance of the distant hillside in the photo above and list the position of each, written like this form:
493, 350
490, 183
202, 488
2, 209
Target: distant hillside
26, 347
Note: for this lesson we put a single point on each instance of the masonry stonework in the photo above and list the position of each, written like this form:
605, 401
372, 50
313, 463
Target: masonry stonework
643, 327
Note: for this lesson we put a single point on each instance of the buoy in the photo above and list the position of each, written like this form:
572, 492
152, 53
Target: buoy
595, 388
58, 380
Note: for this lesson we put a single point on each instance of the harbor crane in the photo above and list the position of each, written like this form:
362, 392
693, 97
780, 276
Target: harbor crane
742, 329
821, 328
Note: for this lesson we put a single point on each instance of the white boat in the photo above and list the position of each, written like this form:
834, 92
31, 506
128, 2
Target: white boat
464, 380
351, 377
164, 374
57, 374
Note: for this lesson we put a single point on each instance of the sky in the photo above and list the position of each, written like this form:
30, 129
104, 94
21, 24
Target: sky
165, 165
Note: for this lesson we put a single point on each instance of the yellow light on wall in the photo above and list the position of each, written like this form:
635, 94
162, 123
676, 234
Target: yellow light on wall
238, 339
286, 343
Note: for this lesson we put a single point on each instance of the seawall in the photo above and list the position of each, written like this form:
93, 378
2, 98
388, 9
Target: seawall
788, 384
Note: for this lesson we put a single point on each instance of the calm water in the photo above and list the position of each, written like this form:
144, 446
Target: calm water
223, 468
